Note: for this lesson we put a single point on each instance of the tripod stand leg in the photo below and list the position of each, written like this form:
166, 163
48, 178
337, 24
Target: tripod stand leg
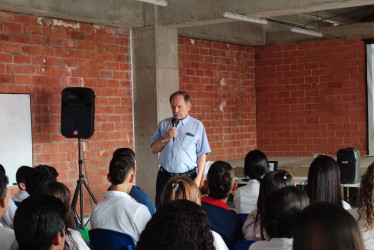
78, 190
89, 191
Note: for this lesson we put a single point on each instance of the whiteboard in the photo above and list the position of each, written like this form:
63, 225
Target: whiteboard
15, 133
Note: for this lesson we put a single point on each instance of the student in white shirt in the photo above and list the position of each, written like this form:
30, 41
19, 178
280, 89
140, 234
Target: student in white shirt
324, 181
118, 211
364, 213
21, 182
7, 237
281, 210
256, 165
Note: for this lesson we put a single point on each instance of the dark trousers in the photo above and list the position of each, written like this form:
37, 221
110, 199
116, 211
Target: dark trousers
163, 178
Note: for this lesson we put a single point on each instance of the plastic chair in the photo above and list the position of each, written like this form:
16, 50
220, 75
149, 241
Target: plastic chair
105, 239
243, 216
17, 203
243, 244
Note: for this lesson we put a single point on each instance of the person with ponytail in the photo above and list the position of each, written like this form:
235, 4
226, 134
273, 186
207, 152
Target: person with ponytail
181, 187
184, 188
364, 213
253, 228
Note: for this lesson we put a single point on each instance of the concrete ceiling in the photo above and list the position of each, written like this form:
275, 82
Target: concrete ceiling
204, 18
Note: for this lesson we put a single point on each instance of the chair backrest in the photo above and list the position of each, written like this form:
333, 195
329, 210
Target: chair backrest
17, 203
104, 239
243, 244
243, 216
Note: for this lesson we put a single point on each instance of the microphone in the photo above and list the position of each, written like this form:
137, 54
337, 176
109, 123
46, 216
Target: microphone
174, 123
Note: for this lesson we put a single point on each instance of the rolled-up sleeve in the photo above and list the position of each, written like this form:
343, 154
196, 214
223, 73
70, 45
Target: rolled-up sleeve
203, 143
156, 136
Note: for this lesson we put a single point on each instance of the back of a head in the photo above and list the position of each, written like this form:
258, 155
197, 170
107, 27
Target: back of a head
281, 209
119, 169
271, 182
38, 219
181, 187
2, 170
325, 226
62, 192
3, 194
3, 185
324, 181
21, 173
256, 164
365, 198
39, 175
124, 152
220, 179
179, 224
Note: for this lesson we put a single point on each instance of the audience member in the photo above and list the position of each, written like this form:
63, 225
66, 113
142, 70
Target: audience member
253, 228
364, 214
7, 218
179, 188
179, 224
118, 211
220, 182
326, 226
7, 237
136, 192
184, 188
39, 175
21, 182
324, 181
74, 239
256, 165
281, 209
39, 223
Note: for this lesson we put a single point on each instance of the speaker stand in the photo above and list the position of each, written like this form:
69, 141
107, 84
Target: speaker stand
79, 189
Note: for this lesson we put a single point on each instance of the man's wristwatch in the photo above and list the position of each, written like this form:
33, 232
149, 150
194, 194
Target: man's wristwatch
163, 141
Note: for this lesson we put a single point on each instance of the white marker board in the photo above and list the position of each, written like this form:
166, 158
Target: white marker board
15, 133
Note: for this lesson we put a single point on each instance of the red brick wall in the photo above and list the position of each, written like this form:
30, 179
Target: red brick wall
220, 78
42, 56
311, 97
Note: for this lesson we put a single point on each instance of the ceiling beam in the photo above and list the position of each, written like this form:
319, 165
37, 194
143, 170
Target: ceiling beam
357, 30
117, 13
182, 13
235, 32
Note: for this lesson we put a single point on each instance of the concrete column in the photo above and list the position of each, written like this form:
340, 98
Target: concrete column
155, 69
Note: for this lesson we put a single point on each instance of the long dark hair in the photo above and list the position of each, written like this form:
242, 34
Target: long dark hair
325, 226
269, 183
365, 197
324, 181
282, 208
179, 224
256, 164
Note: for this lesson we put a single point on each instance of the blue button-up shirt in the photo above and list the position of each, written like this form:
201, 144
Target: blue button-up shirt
180, 155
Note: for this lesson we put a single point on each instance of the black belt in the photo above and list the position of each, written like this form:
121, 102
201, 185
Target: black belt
189, 173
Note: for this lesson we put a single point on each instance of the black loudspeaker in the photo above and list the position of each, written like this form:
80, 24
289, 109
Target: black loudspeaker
77, 112
349, 165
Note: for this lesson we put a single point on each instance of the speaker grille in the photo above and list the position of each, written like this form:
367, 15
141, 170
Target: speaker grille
77, 112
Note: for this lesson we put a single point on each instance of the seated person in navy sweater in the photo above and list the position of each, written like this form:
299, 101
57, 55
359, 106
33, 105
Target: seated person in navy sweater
220, 183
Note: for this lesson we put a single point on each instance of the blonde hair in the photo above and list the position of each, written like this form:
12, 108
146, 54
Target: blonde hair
181, 188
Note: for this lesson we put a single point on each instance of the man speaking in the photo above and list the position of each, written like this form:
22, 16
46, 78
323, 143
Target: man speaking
183, 144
